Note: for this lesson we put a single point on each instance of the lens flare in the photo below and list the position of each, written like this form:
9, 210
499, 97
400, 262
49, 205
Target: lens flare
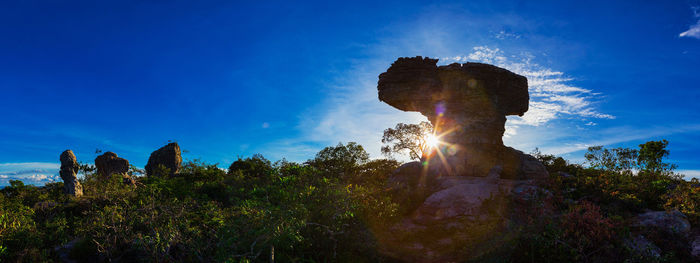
431, 140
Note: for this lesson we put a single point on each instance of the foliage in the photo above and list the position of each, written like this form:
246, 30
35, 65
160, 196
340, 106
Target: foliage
601, 201
326, 210
407, 138
317, 211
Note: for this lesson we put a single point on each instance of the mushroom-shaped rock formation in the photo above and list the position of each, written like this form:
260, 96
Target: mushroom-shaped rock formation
168, 157
109, 163
467, 104
444, 197
69, 172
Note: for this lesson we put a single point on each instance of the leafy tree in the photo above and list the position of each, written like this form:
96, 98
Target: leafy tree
407, 138
651, 155
619, 160
340, 161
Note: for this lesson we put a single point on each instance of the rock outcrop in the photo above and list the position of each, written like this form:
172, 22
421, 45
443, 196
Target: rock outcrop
467, 104
168, 157
69, 172
459, 196
109, 163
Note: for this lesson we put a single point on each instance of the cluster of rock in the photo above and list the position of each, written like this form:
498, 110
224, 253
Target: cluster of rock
446, 192
109, 164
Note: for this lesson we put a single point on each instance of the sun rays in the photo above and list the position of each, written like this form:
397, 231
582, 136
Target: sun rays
435, 145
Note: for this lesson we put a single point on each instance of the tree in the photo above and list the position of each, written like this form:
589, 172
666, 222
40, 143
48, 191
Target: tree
340, 161
407, 138
648, 159
651, 155
619, 160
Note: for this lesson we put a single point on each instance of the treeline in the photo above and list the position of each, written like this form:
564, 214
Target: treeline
317, 211
325, 210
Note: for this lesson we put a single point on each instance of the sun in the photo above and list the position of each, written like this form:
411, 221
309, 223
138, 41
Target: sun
431, 140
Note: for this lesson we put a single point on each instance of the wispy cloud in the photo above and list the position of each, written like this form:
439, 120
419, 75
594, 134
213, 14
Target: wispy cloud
352, 111
689, 173
36, 173
694, 30
549, 89
551, 95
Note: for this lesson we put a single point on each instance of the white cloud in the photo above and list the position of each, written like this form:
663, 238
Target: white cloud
689, 173
36, 173
352, 111
503, 34
551, 95
694, 30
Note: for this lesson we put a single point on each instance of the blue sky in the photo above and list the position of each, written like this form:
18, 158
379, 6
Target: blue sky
285, 79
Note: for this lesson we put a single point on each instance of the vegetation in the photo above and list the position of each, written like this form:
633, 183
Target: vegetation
324, 210
407, 138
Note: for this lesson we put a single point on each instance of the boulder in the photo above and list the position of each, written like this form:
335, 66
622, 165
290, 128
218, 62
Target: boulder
670, 221
109, 163
695, 247
69, 172
168, 157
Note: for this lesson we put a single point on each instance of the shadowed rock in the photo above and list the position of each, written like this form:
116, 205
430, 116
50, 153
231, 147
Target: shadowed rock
458, 196
69, 172
109, 163
168, 157
467, 104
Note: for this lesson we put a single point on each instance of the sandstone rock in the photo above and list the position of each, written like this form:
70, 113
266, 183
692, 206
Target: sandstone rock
457, 198
69, 172
109, 163
670, 221
468, 104
168, 156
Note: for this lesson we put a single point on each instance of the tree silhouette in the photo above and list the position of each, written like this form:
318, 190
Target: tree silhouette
406, 138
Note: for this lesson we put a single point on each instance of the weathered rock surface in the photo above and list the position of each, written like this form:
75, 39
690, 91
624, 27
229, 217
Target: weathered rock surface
69, 172
109, 163
449, 217
669, 221
167, 156
468, 104
695, 247
643, 246
459, 197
